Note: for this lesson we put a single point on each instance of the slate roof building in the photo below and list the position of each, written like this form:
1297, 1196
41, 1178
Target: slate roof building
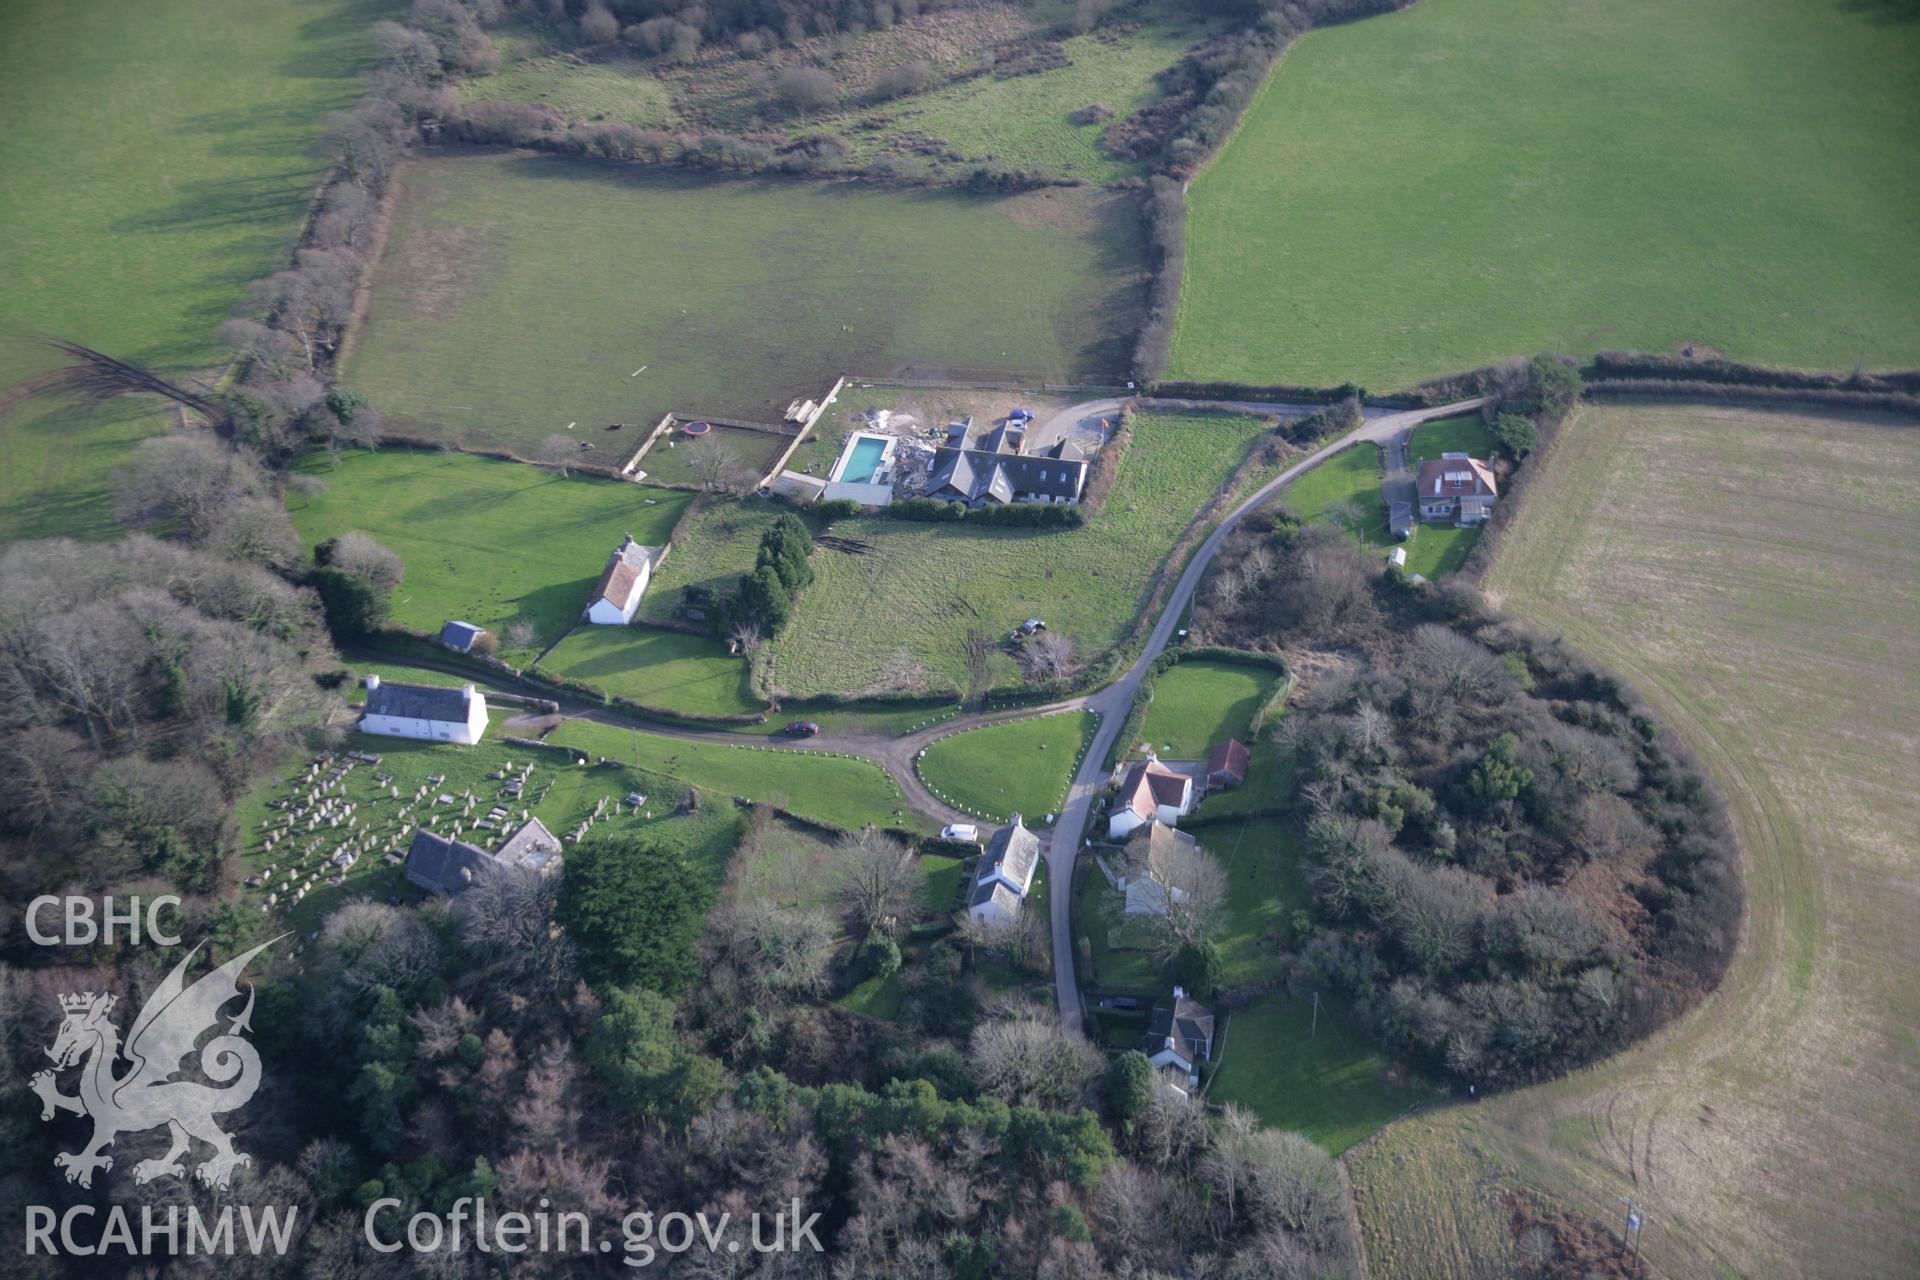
1149, 791
449, 867
1456, 487
1179, 1035
459, 636
617, 595
983, 477
431, 712
1004, 874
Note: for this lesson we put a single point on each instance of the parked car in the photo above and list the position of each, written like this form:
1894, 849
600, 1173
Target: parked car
960, 831
1119, 1002
1032, 625
801, 729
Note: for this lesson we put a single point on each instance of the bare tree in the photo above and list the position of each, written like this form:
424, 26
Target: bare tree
1047, 655
1227, 587
1027, 1056
903, 673
507, 925
746, 636
1188, 886
360, 555
976, 655
184, 481
257, 530
559, 452
715, 462
518, 634
877, 879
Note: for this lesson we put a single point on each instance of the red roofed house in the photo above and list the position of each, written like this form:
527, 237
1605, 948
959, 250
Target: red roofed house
1149, 791
1227, 764
1456, 487
617, 596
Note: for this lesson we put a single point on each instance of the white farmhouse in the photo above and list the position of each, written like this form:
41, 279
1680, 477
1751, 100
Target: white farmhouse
1003, 876
1149, 792
617, 596
425, 711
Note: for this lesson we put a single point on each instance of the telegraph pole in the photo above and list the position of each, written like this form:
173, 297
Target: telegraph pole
1314, 1032
1636, 1227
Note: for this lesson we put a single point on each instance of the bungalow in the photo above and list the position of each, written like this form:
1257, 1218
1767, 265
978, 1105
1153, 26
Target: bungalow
1227, 764
981, 477
1004, 874
1179, 1035
431, 712
1154, 854
1456, 487
450, 867
461, 636
618, 593
1149, 791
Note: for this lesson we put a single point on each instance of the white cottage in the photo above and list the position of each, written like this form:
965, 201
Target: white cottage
431, 712
617, 596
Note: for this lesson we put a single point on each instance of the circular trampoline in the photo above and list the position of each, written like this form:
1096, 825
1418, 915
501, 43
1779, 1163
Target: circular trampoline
697, 428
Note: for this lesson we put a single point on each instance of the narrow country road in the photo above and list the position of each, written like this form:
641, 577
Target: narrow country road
1114, 701
897, 754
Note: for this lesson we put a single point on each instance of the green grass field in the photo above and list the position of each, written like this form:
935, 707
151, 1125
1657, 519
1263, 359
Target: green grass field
1197, 704
1424, 192
142, 193
1312, 1076
1023, 767
1345, 490
666, 669
519, 294
838, 790
1770, 1132
483, 540
920, 587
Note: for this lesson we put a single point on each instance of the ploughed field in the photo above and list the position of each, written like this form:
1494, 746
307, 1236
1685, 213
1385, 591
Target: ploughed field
1752, 573
1424, 192
528, 302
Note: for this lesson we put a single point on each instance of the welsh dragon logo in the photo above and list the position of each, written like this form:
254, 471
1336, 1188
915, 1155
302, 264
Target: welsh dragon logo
146, 1095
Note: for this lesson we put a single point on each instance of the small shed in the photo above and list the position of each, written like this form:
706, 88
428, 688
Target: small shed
1397, 557
460, 636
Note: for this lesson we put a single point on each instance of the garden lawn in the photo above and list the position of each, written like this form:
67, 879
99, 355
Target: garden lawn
483, 540
1425, 192
1264, 888
671, 459
918, 588
716, 547
520, 293
1199, 703
1118, 944
141, 195
668, 670
1319, 1079
1345, 490
1022, 767
840, 791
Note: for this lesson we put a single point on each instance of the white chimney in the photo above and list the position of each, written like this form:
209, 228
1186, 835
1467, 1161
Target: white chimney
373, 681
1179, 993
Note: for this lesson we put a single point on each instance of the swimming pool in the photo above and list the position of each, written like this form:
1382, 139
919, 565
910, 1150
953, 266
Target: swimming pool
862, 458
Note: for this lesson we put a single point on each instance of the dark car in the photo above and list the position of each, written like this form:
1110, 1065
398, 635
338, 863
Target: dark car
801, 729
1119, 1002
